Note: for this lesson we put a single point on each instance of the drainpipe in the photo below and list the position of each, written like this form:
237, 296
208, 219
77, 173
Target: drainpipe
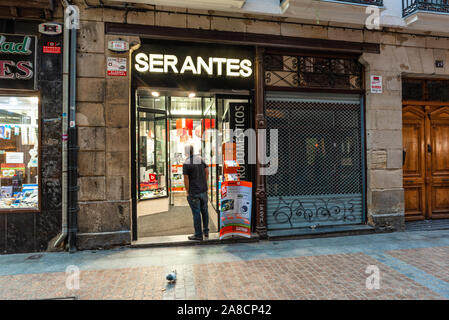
72, 172
65, 108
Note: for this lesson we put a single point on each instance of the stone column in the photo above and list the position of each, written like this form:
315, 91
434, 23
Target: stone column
385, 194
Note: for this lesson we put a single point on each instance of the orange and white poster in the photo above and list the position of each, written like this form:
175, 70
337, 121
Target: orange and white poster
235, 209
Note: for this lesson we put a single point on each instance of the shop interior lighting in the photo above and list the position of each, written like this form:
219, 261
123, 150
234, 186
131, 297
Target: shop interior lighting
155, 94
13, 101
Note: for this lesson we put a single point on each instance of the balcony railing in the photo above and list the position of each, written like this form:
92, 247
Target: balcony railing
412, 6
371, 2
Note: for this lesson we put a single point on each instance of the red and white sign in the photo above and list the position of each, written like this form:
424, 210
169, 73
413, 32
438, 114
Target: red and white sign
118, 45
50, 28
56, 50
116, 67
376, 84
52, 47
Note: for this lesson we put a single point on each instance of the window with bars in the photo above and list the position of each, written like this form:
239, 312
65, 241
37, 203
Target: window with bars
293, 71
425, 90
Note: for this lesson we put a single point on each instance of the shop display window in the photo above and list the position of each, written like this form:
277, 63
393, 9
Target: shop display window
19, 152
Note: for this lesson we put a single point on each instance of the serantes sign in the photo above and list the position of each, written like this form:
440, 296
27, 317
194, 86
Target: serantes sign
17, 62
193, 66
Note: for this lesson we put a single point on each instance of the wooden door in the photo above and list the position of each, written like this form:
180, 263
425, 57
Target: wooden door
414, 166
438, 172
426, 162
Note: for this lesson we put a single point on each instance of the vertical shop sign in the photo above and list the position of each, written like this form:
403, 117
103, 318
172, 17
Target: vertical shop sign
17, 62
239, 118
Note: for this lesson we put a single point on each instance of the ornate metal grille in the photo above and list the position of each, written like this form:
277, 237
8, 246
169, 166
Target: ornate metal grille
412, 6
313, 72
319, 177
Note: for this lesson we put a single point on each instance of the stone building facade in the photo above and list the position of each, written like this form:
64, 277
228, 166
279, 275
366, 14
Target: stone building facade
104, 114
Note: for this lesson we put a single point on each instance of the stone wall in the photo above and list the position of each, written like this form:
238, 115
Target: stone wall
103, 110
400, 56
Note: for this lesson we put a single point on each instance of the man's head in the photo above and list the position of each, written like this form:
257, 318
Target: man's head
188, 150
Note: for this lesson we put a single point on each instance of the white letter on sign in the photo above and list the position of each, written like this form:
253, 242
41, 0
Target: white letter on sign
245, 66
172, 61
142, 62
156, 60
232, 67
188, 65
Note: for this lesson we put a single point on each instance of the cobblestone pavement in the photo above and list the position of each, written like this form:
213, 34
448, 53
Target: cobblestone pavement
411, 265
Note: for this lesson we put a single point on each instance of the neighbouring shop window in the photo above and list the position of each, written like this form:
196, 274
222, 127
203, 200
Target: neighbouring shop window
319, 178
313, 72
19, 152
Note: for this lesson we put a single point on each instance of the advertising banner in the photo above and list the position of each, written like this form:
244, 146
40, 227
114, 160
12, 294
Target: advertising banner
235, 209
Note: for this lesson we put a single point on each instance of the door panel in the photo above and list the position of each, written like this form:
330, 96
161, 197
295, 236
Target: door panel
426, 166
152, 164
413, 136
439, 173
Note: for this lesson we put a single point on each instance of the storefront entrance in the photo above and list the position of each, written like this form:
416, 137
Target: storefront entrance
184, 93
166, 122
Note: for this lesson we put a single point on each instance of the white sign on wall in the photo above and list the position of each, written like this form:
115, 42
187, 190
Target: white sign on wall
116, 66
376, 84
14, 157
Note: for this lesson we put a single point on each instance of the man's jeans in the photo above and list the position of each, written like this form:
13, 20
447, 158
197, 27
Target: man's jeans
198, 204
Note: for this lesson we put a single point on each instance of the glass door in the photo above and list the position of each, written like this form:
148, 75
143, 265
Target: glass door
152, 155
183, 132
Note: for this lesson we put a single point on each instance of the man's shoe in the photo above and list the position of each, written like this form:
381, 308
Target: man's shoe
206, 235
195, 238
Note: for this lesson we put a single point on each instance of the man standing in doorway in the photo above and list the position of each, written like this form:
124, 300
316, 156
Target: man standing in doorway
196, 173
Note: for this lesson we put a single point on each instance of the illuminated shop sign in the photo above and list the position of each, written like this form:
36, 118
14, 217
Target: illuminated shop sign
17, 62
164, 63
193, 66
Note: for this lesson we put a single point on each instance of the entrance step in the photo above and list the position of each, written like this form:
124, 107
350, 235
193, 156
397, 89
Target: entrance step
423, 225
181, 240
328, 231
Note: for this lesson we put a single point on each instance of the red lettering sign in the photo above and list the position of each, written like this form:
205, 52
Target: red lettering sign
5, 71
27, 68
